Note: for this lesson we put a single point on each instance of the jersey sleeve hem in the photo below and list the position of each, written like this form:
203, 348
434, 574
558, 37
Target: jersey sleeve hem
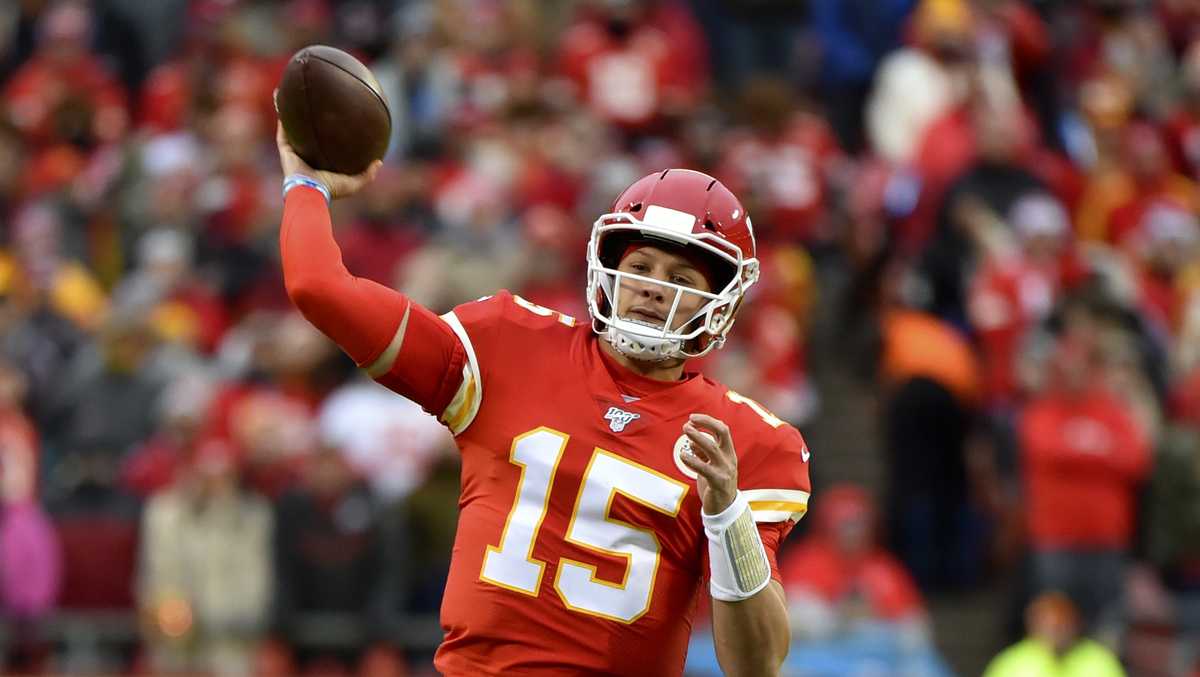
777, 505
461, 411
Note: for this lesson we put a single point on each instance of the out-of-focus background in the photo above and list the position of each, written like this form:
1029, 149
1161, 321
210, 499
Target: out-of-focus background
980, 303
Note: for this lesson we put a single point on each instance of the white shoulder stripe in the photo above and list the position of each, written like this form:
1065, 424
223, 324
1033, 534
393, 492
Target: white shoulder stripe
383, 363
795, 495
465, 404
458, 414
767, 516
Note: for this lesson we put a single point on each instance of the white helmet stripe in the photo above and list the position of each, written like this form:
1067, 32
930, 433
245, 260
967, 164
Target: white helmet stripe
670, 219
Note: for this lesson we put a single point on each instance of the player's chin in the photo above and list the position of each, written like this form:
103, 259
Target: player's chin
667, 363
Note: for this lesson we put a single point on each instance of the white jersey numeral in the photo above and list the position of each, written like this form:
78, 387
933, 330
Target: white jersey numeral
543, 311
511, 564
763, 413
592, 528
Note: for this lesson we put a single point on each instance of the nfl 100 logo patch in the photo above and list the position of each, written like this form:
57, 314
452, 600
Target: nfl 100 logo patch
619, 418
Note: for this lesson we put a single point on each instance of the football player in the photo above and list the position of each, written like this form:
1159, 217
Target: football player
604, 488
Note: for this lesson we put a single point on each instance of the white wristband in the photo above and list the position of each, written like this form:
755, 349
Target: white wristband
294, 180
737, 558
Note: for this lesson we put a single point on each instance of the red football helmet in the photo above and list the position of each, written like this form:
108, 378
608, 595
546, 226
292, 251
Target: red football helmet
675, 207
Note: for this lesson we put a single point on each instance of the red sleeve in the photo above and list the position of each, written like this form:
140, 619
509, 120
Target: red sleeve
773, 535
774, 477
400, 343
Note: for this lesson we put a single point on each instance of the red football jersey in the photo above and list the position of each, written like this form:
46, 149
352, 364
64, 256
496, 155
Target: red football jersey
580, 546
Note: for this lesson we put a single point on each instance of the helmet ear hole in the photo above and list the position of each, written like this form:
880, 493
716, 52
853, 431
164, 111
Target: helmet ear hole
718, 320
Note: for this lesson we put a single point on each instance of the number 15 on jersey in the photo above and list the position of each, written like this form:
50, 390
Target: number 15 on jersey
511, 564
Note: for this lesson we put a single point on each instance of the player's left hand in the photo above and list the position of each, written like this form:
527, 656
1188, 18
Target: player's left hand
714, 461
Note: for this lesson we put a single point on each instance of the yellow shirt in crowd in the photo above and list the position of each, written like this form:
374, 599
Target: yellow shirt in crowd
1034, 658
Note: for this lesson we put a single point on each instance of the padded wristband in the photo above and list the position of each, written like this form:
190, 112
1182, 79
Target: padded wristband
737, 558
294, 180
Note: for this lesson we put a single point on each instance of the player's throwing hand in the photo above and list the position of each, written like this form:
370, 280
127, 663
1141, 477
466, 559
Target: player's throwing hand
713, 458
339, 185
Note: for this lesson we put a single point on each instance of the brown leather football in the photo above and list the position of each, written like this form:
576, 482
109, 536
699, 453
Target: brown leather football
333, 111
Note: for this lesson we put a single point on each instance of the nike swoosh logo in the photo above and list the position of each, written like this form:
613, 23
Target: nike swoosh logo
804, 454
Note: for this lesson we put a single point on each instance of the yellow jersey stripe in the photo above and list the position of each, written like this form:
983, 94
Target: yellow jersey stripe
778, 515
789, 495
758, 506
460, 410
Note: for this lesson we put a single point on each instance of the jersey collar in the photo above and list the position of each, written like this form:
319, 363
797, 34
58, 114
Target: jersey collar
610, 380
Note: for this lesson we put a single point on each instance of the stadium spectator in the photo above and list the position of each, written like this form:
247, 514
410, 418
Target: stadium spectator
419, 77
1118, 194
1054, 647
768, 360
100, 413
387, 440
1172, 530
30, 554
933, 388
427, 517
205, 575
183, 411
46, 261
1164, 250
784, 160
30, 561
1085, 456
1121, 38
635, 64
853, 605
329, 557
968, 196
854, 35
183, 310
64, 94
838, 577
269, 413
918, 83
1184, 123
1019, 278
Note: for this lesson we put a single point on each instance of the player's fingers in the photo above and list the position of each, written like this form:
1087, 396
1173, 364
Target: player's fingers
696, 450
716, 426
699, 465
702, 443
370, 172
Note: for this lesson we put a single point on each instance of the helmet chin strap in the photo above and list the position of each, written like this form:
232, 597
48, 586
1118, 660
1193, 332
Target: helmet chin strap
638, 347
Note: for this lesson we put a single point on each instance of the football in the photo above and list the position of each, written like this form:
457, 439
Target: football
332, 110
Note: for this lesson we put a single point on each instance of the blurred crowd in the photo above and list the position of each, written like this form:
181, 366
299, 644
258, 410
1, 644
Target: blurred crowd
991, 205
